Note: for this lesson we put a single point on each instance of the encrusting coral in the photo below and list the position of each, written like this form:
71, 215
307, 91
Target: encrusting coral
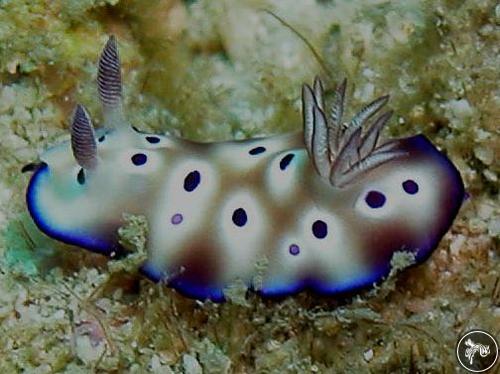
222, 69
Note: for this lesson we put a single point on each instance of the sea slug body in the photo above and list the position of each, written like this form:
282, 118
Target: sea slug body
327, 207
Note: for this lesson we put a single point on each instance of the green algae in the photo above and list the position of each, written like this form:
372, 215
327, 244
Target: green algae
133, 237
217, 70
27, 248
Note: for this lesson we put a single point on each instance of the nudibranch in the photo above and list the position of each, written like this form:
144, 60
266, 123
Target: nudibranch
326, 207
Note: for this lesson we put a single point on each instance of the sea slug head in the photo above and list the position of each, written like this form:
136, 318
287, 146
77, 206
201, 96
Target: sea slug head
81, 187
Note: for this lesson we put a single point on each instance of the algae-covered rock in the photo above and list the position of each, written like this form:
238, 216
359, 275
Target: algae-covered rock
223, 69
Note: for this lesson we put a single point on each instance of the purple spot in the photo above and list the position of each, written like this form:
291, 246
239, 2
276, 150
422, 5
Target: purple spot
139, 159
257, 150
176, 218
240, 217
192, 180
375, 199
320, 229
153, 139
410, 187
81, 177
294, 249
285, 161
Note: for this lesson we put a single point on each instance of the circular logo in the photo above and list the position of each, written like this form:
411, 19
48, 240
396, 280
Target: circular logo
477, 351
